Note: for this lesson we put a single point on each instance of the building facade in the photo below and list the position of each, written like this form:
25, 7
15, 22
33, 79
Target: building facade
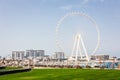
59, 55
34, 53
100, 57
18, 55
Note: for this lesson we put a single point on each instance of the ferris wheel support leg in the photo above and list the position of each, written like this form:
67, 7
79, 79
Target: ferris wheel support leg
77, 50
84, 49
74, 46
80, 51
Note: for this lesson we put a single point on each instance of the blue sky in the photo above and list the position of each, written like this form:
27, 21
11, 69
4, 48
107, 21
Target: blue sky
31, 24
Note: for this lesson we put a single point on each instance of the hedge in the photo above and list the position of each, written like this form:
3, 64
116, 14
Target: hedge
14, 71
2, 67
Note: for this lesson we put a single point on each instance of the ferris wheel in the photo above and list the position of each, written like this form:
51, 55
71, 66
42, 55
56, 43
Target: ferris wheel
79, 14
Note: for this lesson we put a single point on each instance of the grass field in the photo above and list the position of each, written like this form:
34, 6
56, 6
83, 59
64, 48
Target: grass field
64, 74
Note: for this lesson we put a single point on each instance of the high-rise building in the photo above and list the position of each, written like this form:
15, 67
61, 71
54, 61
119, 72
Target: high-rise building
34, 53
18, 55
59, 55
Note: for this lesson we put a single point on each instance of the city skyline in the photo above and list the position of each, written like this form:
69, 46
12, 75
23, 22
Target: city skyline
31, 24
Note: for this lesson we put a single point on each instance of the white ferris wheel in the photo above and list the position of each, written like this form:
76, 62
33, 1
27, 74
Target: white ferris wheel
78, 38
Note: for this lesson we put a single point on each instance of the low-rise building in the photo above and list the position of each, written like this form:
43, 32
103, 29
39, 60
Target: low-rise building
34, 53
18, 55
59, 55
99, 57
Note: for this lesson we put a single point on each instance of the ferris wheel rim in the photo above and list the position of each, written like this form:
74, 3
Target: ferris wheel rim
80, 14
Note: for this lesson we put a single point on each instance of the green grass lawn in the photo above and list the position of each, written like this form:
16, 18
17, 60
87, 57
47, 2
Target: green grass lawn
64, 74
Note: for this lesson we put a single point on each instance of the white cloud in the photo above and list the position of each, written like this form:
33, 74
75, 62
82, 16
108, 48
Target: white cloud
72, 7
102, 0
69, 7
85, 2
82, 4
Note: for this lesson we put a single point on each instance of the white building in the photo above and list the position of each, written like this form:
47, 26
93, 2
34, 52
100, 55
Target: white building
59, 55
34, 53
18, 55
